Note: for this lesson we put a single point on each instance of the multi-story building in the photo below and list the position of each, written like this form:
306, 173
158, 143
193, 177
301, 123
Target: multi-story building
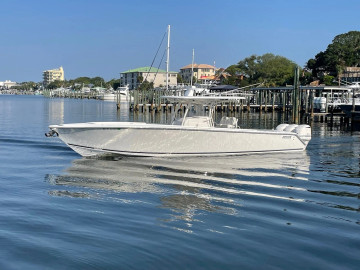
200, 72
52, 75
7, 84
134, 77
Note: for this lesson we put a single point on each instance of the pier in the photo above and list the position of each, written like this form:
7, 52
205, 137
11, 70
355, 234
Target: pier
299, 101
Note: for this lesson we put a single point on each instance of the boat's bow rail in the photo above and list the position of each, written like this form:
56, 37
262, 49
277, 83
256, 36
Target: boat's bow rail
98, 125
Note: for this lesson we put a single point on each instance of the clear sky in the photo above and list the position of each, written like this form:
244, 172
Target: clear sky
105, 37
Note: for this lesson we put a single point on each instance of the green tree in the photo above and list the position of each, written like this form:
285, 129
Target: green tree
179, 79
55, 84
97, 81
344, 51
233, 70
27, 86
139, 79
306, 78
114, 83
329, 80
82, 80
145, 85
273, 70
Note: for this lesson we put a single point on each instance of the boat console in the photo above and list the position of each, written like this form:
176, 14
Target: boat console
228, 122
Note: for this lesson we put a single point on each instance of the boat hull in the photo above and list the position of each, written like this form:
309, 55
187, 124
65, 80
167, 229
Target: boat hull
347, 108
149, 140
113, 97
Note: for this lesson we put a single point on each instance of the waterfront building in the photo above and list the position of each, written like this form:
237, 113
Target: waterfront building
134, 77
200, 71
7, 84
52, 75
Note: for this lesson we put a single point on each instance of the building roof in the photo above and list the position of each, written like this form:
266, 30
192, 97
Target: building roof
147, 69
60, 69
198, 66
212, 77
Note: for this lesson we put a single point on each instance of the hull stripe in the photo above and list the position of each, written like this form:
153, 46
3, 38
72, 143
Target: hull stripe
180, 153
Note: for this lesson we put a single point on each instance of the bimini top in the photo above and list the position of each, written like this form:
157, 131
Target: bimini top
202, 100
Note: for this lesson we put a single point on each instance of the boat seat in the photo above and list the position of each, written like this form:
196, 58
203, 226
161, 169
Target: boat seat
228, 122
194, 121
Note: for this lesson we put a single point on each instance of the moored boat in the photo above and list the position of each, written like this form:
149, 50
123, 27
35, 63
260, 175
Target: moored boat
121, 94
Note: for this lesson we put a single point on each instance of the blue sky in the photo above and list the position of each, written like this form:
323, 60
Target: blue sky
103, 38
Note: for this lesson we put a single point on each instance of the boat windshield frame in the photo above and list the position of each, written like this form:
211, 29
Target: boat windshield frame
210, 101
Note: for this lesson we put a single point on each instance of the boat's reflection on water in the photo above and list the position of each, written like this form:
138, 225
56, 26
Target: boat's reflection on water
187, 186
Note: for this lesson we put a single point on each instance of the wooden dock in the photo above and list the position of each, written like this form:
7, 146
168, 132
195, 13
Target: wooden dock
296, 100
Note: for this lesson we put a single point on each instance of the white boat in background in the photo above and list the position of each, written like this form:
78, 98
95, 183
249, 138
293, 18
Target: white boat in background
107, 96
186, 136
349, 106
121, 93
352, 103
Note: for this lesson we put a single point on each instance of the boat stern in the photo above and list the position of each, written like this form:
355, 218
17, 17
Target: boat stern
302, 131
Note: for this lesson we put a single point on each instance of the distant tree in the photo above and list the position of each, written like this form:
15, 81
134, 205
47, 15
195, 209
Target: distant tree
86, 81
114, 83
306, 78
250, 67
54, 84
273, 70
329, 80
145, 85
233, 70
31, 85
82, 80
194, 79
179, 79
27, 86
235, 80
219, 71
344, 51
235, 75
97, 81
139, 79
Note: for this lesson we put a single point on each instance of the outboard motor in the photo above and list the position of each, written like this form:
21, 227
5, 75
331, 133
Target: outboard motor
281, 127
304, 132
320, 104
290, 128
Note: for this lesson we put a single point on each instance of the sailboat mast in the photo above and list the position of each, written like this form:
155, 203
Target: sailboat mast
167, 59
192, 69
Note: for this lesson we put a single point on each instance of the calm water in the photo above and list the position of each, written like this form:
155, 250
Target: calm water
280, 211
